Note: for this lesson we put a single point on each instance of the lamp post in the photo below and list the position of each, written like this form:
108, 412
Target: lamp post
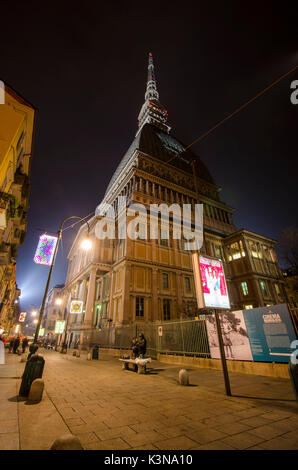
51, 270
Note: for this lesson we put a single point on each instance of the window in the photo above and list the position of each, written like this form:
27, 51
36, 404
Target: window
139, 306
247, 307
187, 284
166, 309
235, 251
244, 288
165, 281
264, 288
217, 252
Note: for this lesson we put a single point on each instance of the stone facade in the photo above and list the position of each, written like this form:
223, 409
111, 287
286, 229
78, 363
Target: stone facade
125, 281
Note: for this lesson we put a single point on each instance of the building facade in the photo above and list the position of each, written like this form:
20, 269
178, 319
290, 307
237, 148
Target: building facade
17, 128
124, 281
53, 309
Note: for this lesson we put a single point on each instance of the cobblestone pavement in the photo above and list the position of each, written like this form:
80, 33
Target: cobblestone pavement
112, 409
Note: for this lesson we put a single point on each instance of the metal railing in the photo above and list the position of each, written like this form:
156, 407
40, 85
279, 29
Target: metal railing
186, 337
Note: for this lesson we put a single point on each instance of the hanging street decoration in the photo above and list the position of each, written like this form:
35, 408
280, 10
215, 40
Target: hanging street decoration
45, 250
22, 316
76, 306
59, 327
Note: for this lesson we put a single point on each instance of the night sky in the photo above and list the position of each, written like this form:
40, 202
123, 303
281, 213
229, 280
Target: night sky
84, 66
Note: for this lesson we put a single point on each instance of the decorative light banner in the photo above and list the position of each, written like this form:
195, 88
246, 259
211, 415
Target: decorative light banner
59, 327
210, 282
76, 306
261, 334
41, 332
22, 316
45, 250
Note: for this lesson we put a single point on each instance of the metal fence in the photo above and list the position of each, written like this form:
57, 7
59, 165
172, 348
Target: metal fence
186, 337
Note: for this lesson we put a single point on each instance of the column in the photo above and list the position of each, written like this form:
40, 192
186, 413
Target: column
90, 299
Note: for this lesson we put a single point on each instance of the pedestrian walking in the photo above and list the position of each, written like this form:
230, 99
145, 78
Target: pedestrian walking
142, 346
11, 341
25, 343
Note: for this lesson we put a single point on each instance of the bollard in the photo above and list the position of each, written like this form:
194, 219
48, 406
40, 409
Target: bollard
78, 353
67, 442
74, 353
95, 352
36, 390
33, 370
89, 356
183, 377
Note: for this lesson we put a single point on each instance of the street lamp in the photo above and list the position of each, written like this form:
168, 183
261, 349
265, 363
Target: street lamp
58, 301
34, 313
51, 270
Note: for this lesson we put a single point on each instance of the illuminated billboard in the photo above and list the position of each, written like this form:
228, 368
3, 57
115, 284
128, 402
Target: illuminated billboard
76, 306
22, 316
59, 327
41, 332
210, 282
45, 250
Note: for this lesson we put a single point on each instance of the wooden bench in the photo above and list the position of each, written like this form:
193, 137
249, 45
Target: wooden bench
137, 367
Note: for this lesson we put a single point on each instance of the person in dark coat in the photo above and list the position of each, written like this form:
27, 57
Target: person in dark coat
16, 344
142, 346
24, 344
11, 341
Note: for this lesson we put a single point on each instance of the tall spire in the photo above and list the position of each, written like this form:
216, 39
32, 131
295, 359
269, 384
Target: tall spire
151, 92
153, 112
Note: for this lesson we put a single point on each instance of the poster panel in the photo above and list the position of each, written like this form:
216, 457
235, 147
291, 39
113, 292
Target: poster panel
234, 335
214, 286
270, 333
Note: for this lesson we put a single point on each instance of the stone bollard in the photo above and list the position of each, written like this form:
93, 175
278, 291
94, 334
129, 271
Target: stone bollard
183, 377
89, 356
74, 353
36, 390
67, 442
78, 353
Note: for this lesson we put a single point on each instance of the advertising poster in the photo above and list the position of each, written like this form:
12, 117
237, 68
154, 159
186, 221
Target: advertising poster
234, 335
213, 283
260, 334
270, 333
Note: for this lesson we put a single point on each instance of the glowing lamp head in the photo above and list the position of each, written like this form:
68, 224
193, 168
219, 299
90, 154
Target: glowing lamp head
58, 301
86, 244
34, 313
35, 321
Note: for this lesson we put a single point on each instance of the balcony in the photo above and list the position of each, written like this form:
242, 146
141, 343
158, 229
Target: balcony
5, 254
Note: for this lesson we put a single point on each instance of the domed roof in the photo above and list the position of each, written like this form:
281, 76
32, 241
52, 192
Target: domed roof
155, 142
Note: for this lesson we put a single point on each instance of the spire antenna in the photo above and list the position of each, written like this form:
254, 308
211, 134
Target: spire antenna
152, 112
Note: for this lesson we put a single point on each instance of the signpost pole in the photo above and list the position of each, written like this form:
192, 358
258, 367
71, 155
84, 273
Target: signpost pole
223, 356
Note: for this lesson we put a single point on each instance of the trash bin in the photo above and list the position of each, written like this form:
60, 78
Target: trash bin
95, 352
293, 372
33, 370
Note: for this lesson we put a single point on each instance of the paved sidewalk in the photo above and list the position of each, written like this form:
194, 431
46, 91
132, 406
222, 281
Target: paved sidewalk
112, 409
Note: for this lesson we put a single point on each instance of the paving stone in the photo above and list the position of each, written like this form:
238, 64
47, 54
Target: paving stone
243, 440
112, 444
9, 441
176, 443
